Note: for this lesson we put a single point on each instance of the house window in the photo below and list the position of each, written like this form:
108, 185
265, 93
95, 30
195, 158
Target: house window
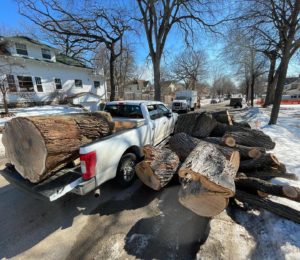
58, 83
38, 82
96, 84
46, 54
21, 49
25, 84
11, 83
78, 83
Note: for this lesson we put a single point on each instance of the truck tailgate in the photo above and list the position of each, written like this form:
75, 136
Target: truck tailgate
52, 188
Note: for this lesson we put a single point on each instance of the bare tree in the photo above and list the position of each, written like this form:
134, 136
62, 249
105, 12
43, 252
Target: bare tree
279, 22
159, 17
190, 66
96, 25
221, 85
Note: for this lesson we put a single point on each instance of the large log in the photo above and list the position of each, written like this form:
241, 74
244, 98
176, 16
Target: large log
158, 167
227, 141
207, 165
266, 160
252, 138
183, 144
220, 129
37, 146
286, 191
195, 124
223, 117
276, 208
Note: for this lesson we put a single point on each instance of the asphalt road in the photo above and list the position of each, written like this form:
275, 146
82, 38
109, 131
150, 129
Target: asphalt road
122, 223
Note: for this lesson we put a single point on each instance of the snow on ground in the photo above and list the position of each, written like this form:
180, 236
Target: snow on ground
40, 110
276, 238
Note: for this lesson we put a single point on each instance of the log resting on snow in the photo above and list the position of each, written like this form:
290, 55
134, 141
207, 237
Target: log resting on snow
286, 191
207, 165
37, 146
276, 208
195, 124
158, 167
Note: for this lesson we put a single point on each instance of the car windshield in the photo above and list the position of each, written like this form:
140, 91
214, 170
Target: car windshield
181, 98
122, 110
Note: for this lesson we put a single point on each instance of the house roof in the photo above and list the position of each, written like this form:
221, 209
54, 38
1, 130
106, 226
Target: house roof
27, 39
166, 83
140, 82
60, 58
290, 80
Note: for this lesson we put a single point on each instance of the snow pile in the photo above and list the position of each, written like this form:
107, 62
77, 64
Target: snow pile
41, 110
276, 237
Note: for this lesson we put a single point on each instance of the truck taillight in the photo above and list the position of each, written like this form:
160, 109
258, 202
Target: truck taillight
88, 165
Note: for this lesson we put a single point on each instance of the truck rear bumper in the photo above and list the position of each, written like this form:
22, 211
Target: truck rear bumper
66, 180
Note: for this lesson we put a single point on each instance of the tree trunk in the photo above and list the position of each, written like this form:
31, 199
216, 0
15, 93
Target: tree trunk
252, 89
227, 141
222, 117
112, 74
158, 167
250, 152
5, 102
156, 70
220, 129
271, 81
38, 146
208, 166
196, 124
271, 206
264, 161
284, 191
267, 174
253, 138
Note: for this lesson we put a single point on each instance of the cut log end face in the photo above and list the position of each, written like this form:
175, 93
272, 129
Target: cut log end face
201, 201
27, 152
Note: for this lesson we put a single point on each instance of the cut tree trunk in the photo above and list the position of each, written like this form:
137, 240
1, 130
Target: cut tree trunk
286, 191
183, 144
38, 146
207, 164
271, 206
250, 152
196, 124
267, 174
220, 129
226, 141
243, 124
252, 138
264, 161
158, 167
222, 117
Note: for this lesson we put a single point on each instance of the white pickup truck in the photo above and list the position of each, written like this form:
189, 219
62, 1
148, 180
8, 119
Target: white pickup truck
137, 123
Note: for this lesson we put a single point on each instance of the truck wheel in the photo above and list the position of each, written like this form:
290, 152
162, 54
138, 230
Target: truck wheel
192, 108
126, 169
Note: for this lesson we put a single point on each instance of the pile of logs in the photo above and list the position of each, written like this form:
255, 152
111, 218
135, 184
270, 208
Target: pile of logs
217, 159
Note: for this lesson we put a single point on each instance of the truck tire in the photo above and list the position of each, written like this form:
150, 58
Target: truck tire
126, 170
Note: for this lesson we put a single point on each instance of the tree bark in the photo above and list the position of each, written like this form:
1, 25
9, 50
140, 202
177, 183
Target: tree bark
207, 165
156, 70
220, 129
112, 73
158, 167
271, 206
38, 146
271, 80
252, 138
222, 117
5, 102
196, 124
264, 161
227, 141
285, 191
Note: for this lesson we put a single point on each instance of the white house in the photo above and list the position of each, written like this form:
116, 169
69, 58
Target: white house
37, 73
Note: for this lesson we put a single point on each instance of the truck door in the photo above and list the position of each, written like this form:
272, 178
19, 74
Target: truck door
160, 123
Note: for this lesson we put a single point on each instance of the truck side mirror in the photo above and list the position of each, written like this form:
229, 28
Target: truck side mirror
169, 114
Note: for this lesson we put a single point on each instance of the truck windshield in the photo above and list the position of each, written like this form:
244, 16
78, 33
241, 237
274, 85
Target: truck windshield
181, 98
122, 110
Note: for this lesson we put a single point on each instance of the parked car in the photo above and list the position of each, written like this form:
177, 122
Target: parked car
114, 156
213, 101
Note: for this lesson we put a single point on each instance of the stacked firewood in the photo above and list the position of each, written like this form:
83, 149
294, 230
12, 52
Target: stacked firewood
217, 159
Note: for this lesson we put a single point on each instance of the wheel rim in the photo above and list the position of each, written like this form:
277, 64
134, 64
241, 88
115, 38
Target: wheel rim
128, 170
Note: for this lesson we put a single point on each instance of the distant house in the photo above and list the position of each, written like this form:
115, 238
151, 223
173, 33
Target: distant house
38, 73
136, 89
292, 84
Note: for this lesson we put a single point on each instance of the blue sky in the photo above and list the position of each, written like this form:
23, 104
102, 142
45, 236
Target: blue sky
11, 23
